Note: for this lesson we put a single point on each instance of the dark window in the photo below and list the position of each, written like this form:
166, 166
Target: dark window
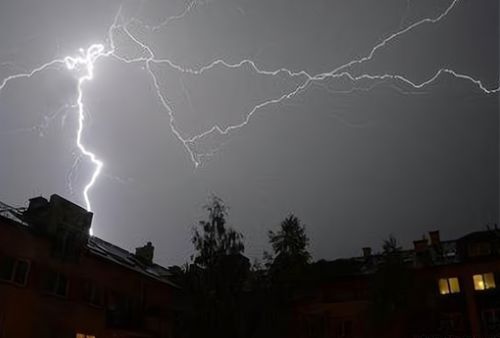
92, 293
479, 249
55, 283
14, 270
6, 267
451, 323
347, 328
68, 244
21, 272
491, 320
344, 328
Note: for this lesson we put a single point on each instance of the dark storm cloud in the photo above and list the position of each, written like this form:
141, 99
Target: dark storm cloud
354, 164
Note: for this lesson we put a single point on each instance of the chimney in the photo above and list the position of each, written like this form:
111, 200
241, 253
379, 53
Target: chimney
420, 245
37, 203
367, 252
65, 223
145, 253
56, 215
435, 239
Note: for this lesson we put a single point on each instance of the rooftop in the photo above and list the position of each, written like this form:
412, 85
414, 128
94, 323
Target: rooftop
100, 248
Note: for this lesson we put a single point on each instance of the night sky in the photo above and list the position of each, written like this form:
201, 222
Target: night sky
230, 103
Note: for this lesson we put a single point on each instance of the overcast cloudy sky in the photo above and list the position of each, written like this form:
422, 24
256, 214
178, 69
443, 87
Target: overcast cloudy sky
355, 157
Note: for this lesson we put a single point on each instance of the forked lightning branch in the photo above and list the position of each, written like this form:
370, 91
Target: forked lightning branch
84, 66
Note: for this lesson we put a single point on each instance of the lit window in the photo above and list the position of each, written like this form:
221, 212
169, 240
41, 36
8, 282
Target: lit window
484, 281
449, 285
81, 335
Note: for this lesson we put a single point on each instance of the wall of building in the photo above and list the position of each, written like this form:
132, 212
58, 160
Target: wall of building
30, 311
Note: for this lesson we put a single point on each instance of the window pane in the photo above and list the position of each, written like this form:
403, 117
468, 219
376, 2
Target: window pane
6, 267
478, 282
454, 285
49, 281
347, 328
489, 280
80, 335
443, 286
21, 272
61, 285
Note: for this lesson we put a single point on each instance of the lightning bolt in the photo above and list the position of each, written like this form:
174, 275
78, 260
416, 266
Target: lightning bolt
84, 65
341, 71
87, 62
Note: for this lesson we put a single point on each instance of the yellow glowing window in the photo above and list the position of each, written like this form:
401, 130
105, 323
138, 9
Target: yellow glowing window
449, 285
484, 281
81, 335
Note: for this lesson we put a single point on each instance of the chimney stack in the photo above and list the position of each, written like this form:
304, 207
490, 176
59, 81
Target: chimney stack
367, 252
65, 223
57, 215
435, 238
145, 253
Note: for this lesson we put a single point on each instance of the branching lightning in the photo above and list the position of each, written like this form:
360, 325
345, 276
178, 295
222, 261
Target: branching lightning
87, 62
84, 65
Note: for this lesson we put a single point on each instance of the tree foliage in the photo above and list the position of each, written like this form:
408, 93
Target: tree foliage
289, 244
213, 238
391, 285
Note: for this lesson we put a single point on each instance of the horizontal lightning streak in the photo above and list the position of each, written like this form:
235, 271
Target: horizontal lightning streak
338, 72
89, 57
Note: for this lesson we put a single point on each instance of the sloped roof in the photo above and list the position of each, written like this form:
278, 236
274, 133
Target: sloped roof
120, 256
107, 251
13, 216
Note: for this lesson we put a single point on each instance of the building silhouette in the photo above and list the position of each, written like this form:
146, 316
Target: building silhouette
445, 289
57, 281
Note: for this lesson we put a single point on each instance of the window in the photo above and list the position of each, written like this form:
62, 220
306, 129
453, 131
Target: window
449, 285
479, 249
67, 245
92, 293
81, 335
491, 319
14, 270
450, 322
344, 328
484, 281
56, 283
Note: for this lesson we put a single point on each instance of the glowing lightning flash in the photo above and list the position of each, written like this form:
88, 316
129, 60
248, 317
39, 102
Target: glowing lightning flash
337, 73
87, 63
84, 65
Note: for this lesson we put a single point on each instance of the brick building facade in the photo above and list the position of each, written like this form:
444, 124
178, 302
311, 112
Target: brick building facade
56, 281
453, 291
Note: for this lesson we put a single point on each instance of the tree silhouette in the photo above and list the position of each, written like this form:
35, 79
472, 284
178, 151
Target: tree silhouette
289, 244
216, 278
286, 272
391, 285
214, 239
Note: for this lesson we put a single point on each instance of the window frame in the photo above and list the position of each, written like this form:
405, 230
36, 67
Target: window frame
12, 279
83, 335
449, 286
92, 292
53, 291
482, 275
